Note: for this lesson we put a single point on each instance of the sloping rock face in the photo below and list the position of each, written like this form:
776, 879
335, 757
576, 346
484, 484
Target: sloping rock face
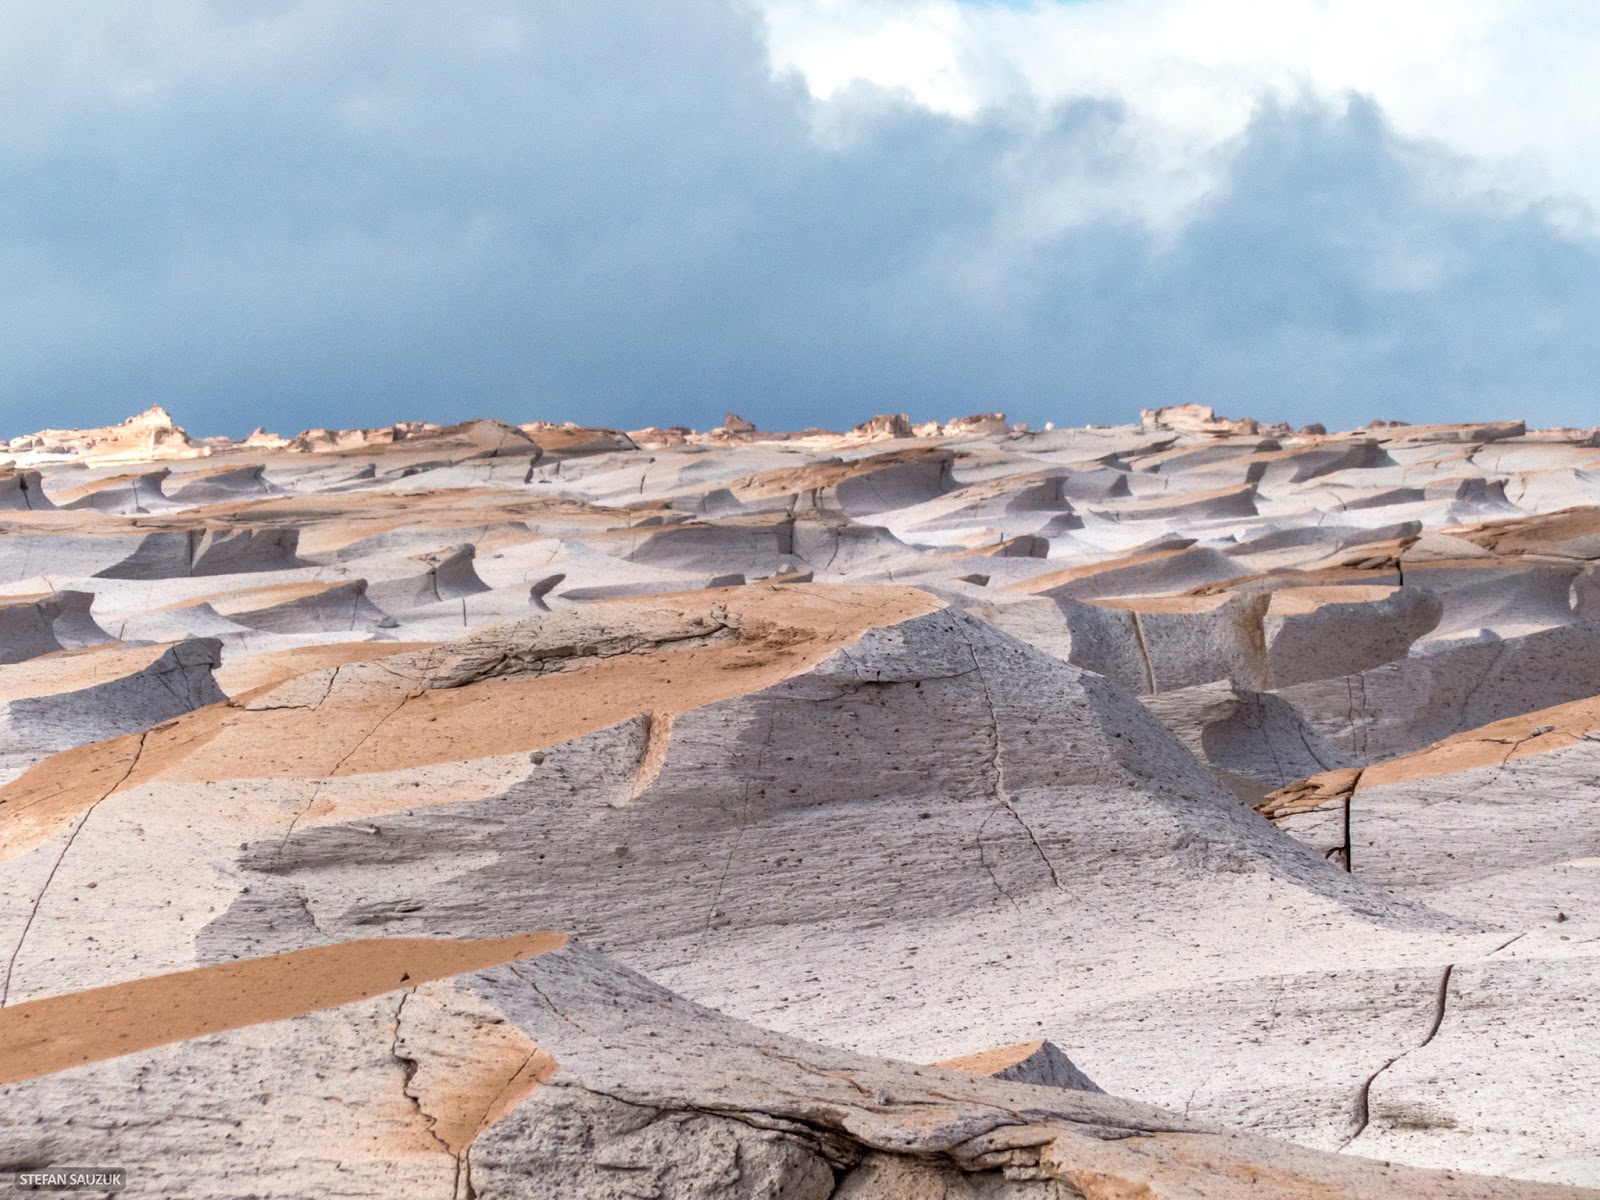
529, 1067
22, 491
69, 699
1041, 1062
1497, 824
1242, 774
33, 626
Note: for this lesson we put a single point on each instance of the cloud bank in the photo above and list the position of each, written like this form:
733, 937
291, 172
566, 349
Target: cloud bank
351, 212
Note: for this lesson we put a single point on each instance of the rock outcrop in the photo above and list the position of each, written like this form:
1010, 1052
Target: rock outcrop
1243, 774
525, 1066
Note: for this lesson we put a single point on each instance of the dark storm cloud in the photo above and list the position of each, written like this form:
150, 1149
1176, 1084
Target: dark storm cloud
350, 213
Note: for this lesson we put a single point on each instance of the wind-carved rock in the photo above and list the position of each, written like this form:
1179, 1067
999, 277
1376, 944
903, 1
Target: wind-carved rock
1244, 772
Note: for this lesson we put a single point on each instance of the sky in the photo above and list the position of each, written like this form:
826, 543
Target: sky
623, 213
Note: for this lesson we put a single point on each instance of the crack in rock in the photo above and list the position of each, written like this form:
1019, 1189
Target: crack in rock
1364, 1099
409, 1067
27, 926
1000, 795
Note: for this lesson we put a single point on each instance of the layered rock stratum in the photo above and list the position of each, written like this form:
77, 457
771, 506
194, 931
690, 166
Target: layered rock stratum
1192, 808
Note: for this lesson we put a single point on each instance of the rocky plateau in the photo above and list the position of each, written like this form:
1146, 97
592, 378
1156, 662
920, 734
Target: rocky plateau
948, 811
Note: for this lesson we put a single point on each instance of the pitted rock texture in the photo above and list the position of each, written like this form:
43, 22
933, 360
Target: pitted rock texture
1213, 803
528, 1067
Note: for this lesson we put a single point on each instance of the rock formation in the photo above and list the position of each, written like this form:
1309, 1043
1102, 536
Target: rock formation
1209, 808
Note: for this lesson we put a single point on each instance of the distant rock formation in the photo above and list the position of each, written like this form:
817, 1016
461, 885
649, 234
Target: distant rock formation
887, 425
151, 435
977, 425
1196, 419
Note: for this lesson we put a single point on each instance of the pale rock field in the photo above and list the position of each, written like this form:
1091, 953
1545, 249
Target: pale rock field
1189, 808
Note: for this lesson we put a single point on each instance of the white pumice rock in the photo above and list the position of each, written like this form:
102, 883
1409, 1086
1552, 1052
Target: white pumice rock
1312, 633
34, 626
527, 1067
1246, 773
1040, 1062
1450, 686
69, 700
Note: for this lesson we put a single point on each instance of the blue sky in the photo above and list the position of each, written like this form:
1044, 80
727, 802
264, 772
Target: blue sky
349, 212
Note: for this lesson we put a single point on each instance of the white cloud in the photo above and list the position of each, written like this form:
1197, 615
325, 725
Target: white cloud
1503, 83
